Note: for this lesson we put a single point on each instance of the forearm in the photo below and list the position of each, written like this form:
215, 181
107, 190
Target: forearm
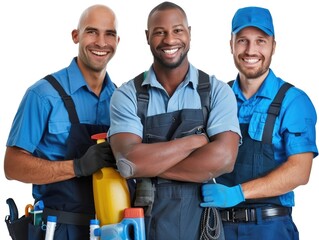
153, 159
22, 166
210, 161
287, 177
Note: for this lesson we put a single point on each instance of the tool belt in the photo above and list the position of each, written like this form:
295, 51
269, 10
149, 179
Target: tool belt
252, 214
69, 217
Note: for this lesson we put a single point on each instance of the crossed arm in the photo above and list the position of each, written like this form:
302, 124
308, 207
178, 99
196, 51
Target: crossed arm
190, 158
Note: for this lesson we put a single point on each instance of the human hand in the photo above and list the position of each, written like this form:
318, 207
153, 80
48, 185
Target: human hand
218, 195
96, 157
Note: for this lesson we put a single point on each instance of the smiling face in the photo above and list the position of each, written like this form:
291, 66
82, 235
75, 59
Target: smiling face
97, 38
168, 35
252, 51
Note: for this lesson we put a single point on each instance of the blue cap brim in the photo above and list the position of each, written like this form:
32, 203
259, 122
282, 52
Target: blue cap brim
265, 30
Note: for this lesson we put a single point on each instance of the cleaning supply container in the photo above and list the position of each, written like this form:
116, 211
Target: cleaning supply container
94, 224
131, 227
111, 192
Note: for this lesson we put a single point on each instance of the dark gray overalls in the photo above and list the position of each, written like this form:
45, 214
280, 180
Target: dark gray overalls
173, 210
72, 200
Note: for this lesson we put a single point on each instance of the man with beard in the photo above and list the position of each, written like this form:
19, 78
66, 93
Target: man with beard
277, 121
50, 141
173, 127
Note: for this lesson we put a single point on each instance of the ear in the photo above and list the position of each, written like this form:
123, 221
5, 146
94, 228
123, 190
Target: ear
231, 46
274, 47
147, 34
190, 35
75, 36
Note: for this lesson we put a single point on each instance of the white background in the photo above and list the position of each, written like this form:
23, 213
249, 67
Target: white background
36, 40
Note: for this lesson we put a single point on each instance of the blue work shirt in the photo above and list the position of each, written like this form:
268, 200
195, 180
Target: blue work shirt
222, 116
294, 130
41, 125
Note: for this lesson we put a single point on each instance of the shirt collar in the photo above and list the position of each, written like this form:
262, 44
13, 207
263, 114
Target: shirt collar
77, 81
191, 78
266, 90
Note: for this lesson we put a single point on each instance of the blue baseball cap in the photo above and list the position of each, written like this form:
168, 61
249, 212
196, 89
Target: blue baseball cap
253, 17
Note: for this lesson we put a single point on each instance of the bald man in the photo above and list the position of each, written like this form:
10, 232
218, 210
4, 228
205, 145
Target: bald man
50, 144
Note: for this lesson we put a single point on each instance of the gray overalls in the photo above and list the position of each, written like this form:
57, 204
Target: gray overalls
173, 210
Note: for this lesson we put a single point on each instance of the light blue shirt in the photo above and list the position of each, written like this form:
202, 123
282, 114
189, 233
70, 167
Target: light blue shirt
41, 125
223, 110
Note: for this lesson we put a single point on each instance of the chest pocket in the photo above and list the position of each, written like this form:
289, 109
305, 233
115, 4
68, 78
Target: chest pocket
59, 127
257, 125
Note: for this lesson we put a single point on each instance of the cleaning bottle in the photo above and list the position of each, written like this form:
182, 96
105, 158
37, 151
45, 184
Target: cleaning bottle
132, 224
94, 224
111, 193
50, 227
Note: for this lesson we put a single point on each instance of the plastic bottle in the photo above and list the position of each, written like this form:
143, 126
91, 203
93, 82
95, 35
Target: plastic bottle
133, 220
50, 228
111, 193
94, 223
37, 211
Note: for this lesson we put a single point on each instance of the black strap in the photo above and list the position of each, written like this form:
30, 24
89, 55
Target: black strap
142, 94
142, 97
68, 217
231, 83
204, 90
273, 112
252, 214
68, 102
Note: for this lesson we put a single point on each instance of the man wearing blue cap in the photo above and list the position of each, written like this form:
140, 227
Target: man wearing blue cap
277, 121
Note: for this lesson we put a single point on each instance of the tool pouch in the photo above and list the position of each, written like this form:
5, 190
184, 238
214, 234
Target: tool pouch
144, 195
23, 229
18, 229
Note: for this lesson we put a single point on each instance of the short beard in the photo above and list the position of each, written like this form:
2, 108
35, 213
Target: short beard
252, 74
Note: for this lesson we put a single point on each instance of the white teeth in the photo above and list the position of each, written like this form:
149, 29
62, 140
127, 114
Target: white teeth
171, 51
254, 60
99, 53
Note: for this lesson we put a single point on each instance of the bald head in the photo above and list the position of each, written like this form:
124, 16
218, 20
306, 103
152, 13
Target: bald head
97, 37
97, 10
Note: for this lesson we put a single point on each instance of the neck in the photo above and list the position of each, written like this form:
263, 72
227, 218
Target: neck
170, 78
249, 86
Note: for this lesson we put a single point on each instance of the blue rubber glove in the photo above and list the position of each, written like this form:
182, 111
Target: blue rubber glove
218, 195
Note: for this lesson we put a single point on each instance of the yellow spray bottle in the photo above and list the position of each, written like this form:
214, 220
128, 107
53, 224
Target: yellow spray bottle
111, 193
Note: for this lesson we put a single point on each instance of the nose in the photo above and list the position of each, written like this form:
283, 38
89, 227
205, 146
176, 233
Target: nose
169, 38
251, 48
101, 41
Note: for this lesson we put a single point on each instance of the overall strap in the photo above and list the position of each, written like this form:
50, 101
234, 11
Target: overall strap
231, 83
273, 112
67, 100
204, 90
142, 94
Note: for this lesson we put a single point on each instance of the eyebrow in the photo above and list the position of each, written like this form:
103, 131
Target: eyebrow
96, 29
